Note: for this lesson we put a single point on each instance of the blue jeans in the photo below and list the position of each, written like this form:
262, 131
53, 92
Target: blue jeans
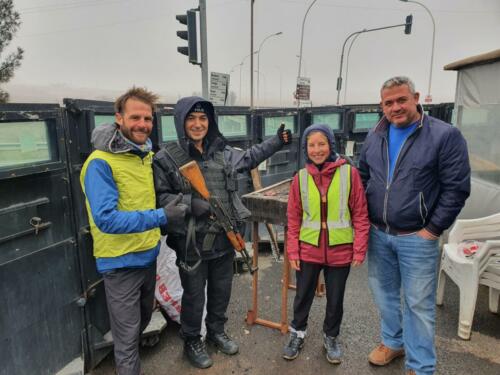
407, 263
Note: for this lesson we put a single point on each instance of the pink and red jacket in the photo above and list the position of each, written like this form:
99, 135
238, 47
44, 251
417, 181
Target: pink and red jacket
339, 255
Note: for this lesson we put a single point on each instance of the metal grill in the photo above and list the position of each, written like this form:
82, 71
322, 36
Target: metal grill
269, 205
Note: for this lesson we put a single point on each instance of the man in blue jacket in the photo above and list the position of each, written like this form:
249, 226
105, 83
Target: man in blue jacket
117, 180
416, 173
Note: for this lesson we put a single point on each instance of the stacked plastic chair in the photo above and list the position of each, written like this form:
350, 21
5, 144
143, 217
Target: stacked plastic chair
471, 270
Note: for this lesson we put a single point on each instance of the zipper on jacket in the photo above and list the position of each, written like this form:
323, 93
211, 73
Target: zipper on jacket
388, 183
322, 214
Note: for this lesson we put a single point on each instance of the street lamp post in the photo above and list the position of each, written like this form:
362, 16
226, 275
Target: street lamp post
258, 61
347, 65
428, 97
281, 86
302, 42
232, 70
339, 78
305, 64
241, 66
251, 53
265, 85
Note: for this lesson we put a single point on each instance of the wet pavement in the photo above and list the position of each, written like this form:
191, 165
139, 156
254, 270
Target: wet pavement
260, 347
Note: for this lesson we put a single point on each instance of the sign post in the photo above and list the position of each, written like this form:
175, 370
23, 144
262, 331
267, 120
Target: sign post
219, 88
303, 91
303, 88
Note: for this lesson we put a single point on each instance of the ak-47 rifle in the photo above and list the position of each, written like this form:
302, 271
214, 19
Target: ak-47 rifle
191, 171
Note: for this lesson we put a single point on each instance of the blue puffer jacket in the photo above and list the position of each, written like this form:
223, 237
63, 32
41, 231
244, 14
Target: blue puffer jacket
431, 178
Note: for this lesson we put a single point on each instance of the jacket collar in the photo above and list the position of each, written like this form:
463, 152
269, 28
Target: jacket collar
328, 168
109, 138
383, 124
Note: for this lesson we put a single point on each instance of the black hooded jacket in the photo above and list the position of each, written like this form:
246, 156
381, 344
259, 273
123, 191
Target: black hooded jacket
169, 182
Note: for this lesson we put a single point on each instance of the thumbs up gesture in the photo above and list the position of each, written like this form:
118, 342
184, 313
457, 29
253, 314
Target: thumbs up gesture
285, 135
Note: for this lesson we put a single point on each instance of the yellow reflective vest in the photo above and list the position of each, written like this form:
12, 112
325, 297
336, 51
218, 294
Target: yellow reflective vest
134, 180
338, 216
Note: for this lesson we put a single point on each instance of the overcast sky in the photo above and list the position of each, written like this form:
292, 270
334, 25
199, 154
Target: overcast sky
96, 49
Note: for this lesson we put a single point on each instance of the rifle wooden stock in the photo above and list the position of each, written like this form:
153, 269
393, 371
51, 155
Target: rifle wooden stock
236, 240
191, 171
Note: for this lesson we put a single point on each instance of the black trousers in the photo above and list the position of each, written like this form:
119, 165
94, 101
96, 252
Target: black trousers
307, 279
130, 298
217, 275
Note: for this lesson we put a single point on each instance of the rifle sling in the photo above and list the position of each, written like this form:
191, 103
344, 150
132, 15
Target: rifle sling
190, 238
177, 154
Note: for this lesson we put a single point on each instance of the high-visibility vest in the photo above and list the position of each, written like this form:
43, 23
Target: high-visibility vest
338, 217
133, 177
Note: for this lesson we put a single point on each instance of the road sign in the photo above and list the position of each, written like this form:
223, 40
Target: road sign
303, 88
219, 88
428, 99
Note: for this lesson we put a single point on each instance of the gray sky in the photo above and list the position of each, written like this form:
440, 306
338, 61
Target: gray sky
96, 49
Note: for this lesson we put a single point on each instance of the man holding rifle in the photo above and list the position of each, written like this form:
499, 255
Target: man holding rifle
205, 245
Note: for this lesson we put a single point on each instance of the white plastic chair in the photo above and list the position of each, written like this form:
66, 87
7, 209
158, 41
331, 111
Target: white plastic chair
491, 277
469, 272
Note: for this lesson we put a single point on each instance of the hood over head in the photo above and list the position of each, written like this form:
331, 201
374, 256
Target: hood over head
325, 129
109, 138
184, 107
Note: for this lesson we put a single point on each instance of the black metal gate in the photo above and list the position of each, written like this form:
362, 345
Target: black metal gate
40, 320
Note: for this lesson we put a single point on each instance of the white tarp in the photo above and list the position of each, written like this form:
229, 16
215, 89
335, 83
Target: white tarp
479, 86
477, 104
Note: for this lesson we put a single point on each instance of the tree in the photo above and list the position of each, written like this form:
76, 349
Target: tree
9, 24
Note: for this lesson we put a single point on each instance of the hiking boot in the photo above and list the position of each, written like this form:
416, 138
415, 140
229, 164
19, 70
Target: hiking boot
292, 348
383, 355
333, 352
223, 342
196, 353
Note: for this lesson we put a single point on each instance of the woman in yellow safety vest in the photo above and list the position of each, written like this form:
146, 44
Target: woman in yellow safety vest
327, 230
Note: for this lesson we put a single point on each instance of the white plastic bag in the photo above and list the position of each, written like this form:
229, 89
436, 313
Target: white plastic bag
168, 290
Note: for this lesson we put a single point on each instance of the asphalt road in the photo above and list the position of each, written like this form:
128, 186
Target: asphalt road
260, 347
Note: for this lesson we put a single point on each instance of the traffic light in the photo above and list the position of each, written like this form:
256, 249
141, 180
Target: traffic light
191, 51
409, 21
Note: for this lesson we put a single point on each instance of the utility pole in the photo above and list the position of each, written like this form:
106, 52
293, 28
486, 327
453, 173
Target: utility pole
301, 44
204, 49
251, 54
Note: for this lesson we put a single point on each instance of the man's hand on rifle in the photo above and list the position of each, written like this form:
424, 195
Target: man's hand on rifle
199, 207
285, 135
175, 211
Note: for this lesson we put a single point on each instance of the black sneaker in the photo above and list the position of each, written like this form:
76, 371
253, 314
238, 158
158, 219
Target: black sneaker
292, 348
223, 342
196, 352
332, 347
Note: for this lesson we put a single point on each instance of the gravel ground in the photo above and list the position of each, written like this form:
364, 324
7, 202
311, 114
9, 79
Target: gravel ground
260, 347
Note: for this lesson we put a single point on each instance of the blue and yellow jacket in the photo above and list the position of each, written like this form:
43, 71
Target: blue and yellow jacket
117, 181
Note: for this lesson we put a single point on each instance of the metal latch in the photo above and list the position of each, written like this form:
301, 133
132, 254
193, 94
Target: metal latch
88, 293
36, 223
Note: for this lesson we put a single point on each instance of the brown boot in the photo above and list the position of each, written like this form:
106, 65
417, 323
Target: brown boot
410, 372
382, 355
